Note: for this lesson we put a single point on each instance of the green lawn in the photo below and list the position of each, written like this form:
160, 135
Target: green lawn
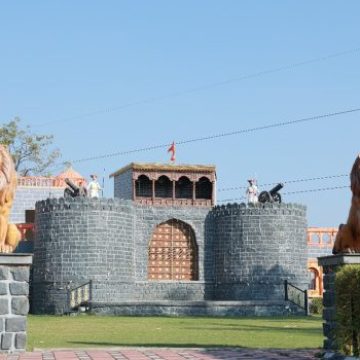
96, 331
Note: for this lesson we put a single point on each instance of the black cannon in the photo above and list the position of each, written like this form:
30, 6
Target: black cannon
272, 195
73, 190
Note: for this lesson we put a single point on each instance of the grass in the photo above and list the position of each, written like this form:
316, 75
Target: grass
98, 331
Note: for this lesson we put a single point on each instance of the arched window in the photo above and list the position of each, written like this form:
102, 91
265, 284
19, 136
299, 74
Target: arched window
314, 276
183, 188
173, 253
163, 187
143, 186
204, 188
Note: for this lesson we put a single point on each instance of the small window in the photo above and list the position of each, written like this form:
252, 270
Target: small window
143, 186
163, 187
183, 188
204, 189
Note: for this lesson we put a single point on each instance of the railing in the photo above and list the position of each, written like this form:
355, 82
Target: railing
321, 237
44, 181
296, 296
80, 296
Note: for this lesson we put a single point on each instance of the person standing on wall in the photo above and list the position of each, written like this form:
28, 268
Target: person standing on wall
93, 187
252, 192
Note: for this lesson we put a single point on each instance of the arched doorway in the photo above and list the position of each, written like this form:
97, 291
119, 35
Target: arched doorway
173, 253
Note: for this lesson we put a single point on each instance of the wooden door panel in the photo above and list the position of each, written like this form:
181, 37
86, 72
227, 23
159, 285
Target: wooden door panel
172, 252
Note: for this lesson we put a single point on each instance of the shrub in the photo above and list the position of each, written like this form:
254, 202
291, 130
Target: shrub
316, 305
347, 296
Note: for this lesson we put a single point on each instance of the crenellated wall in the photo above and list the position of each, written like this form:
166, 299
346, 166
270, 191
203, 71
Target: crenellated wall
257, 248
81, 240
243, 253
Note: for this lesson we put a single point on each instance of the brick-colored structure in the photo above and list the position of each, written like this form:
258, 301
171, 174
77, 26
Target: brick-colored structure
175, 231
31, 189
161, 246
320, 241
166, 184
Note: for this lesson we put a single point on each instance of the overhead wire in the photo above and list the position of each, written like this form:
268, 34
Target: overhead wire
219, 135
293, 192
287, 182
202, 87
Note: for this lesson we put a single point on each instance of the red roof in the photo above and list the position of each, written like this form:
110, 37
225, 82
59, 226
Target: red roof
70, 173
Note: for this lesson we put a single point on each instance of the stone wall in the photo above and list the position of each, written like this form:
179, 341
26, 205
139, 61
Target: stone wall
314, 253
243, 253
147, 218
14, 303
107, 241
78, 240
257, 248
330, 265
27, 196
123, 185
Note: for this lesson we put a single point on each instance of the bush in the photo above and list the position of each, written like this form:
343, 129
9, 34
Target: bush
347, 296
316, 305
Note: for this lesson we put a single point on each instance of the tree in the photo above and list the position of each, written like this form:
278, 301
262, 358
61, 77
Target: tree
30, 152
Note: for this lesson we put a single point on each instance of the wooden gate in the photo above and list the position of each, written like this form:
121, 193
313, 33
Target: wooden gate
173, 252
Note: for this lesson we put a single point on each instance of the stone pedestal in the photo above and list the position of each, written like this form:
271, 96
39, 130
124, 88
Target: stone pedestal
14, 302
330, 264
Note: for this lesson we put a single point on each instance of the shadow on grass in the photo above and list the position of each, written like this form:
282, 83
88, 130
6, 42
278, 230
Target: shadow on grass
151, 345
257, 328
204, 347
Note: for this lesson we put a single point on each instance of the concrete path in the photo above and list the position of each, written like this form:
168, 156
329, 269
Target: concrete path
165, 354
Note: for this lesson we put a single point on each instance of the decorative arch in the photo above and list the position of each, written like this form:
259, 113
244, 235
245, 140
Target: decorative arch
183, 188
163, 187
314, 279
143, 186
173, 252
204, 188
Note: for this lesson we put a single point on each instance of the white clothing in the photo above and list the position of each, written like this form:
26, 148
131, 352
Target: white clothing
94, 189
252, 194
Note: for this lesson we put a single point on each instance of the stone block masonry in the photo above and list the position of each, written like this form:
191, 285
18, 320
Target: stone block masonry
26, 197
242, 254
257, 248
14, 303
330, 265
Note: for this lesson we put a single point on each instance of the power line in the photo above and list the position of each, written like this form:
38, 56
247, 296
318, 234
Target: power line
317, 190
294, 192
203, 87
220, 135
287, 182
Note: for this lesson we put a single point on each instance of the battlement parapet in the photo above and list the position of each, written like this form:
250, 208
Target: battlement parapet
82, 203
259, 209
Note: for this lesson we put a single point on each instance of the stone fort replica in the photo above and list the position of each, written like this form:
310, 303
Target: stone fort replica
161, 246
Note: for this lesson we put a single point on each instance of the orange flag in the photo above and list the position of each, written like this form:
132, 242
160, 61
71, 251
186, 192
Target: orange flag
172, 150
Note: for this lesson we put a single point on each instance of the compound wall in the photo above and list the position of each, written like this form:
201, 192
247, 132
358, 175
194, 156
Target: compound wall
81, 240
244, 254
106, 241
27, 196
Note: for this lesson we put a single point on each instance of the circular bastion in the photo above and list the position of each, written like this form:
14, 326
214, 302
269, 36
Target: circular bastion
78, 240
250, 252
257, 248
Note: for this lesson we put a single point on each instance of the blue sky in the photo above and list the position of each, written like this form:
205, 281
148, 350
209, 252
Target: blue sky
62, 60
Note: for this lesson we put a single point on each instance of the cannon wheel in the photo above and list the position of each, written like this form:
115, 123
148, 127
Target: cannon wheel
277, 198
264, 197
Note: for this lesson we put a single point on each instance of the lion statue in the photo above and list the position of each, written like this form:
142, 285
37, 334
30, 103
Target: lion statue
348, 237
9, 233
